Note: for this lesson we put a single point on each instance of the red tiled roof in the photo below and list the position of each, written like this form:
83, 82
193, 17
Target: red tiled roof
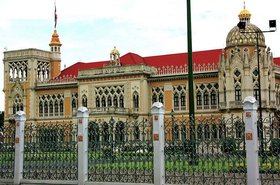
277, 61
178, 59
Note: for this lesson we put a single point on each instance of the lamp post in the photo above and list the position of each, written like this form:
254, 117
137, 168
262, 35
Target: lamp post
272, 28
190, 82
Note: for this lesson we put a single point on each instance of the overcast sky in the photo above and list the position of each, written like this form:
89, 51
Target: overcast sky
89, 29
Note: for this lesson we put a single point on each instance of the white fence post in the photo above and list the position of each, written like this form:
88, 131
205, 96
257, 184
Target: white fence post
20, 119
82, 116
251, 136
158, 142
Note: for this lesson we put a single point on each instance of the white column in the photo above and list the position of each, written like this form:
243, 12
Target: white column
19, 146
158, 142
251, 136
82, 115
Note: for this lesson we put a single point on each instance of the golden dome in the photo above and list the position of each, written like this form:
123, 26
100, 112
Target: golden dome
55, 39
244, 14
248, 37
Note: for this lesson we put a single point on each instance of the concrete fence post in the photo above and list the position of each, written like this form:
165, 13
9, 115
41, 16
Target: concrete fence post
20, 119
251, 136
158, 142
82, 115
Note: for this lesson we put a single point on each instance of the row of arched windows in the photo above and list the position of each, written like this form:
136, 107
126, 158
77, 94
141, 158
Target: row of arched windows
207, 96
51, 105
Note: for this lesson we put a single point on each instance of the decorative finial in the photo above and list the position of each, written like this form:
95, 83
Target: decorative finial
244, 7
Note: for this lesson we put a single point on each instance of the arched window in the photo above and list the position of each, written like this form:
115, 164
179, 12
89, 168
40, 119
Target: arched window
84, 100
103, 101
183, 100
46, 109
61, 107
206, 99
198, 100
115, 102
121, 101
109, 101
97, 99
51, 108
56, 108
40, 108
135, 101
176, 101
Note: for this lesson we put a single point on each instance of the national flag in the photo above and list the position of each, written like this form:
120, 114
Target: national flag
55, 16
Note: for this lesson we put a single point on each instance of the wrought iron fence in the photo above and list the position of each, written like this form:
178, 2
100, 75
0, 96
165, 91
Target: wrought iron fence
7, 152
120, 151
50, 151
217, 153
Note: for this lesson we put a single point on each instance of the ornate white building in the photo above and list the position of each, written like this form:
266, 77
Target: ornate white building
126, 86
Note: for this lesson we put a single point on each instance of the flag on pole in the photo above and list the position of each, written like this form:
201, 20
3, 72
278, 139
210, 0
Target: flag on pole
55, 15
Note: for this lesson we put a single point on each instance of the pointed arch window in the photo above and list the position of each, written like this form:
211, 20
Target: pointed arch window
115, 102
109, 101
61, 107
121, 101
176, 101
103, 101
97, 99
206, 99
51, 108
199, 100
84, 100
135, 101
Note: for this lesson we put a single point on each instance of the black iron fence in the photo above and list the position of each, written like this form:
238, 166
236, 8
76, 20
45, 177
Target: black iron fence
122, 151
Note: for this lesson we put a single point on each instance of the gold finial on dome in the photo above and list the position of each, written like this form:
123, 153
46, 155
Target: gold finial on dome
55, 39
244, 14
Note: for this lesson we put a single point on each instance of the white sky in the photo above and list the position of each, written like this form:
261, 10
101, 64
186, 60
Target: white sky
89, 29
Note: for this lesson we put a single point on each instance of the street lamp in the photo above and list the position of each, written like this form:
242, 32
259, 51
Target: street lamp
190, 83
272, 28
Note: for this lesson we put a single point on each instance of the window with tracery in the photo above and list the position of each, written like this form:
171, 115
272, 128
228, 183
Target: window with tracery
18, 70
17, 104
135, 101
158, 94
109, 96
74, 101
237, 85
43, 71
179, 97
84, 100
207, 96
51, 105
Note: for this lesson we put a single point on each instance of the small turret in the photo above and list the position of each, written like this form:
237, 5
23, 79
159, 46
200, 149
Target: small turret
55, 54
